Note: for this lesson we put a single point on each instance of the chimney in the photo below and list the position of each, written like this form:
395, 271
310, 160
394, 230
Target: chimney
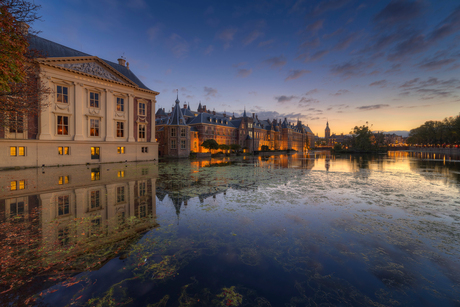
185, 106
253, 114
122, 61
213, 112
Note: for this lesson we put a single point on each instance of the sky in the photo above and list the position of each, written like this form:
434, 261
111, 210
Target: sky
394, 64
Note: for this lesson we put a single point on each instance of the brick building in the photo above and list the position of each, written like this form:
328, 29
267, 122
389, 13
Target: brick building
250, 132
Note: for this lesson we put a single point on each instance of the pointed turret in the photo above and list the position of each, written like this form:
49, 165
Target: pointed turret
244, 113
177, 118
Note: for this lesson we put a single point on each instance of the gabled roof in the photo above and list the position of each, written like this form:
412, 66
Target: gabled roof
50, 49
160, 112
187, 112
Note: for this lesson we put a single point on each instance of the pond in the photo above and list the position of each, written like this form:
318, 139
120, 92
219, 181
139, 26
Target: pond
300, 230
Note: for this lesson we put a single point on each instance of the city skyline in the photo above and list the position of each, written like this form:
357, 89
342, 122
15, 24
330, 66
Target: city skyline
392, 64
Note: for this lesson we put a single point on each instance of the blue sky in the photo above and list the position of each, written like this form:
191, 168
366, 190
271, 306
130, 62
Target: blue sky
394, 64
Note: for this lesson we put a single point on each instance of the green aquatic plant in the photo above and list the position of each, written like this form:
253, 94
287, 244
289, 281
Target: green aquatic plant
230, 297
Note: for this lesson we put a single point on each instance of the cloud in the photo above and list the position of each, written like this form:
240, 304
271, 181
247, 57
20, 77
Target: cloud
350, 69
381, 83
168, 71
340, 92
345, 43
210, 92
394, 68
410, 83
310, 92
209, 50
436, 64
252, 93
450, 25
209, 11
227, 36
305, 102
266, 43
153, 32
239, 64
283, 98
315, 27
178, 46
328, 5
398, 11
137, 4
276, 62
373, 107
243, 73
318, 55
252, 37
295, 74
336, 32
310, 44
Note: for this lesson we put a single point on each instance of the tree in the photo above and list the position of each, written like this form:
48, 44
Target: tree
362, 138
21, 91
235, 147
210, 144
224, 147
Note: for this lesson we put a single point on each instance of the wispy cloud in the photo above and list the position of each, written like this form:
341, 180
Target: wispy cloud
243, 73
311, 92
210, 92
179, 46
328, 5
340, 92
380, 83
209, 50
295, 74
153, 32
436, 64
266, 43
373, 107
252, 37
283, 98
227, 36
276, 62
313, 28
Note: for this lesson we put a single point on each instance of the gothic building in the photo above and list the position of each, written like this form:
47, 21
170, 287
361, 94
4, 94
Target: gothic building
250, 132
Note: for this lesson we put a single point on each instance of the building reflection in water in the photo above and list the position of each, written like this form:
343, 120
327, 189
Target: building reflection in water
61, 214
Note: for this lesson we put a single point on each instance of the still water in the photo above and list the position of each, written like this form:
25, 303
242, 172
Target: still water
299, 230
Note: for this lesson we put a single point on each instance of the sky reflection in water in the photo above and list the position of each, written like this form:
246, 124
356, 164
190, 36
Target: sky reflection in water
282, 231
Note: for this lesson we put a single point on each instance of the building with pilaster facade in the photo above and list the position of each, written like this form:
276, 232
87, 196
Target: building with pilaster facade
99, 112
250, 132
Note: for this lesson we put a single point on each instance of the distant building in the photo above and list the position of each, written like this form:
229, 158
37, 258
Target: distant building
183, 130
327, 133
98, 112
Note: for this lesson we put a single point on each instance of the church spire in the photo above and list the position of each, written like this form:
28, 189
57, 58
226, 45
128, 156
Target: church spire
244, 113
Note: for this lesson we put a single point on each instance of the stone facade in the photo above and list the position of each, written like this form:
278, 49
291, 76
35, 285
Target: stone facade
98, 112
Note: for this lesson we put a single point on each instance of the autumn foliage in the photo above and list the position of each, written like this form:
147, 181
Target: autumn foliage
21, 91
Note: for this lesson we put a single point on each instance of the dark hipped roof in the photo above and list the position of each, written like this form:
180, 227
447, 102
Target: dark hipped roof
51, 49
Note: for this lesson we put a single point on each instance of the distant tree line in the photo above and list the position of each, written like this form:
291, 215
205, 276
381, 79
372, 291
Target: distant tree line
442, 132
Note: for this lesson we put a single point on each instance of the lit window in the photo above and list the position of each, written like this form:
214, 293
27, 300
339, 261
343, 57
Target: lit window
63, 150
22, 184
62, 125
120, 150
95, 152
182, 144
62, 94
93, 100
14, 186
141, 108
182, 131
95, 174
120, 104
63, 179
121, 174
94, 127
173, 131
120, 130
63, 205
13, 151
173, 144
